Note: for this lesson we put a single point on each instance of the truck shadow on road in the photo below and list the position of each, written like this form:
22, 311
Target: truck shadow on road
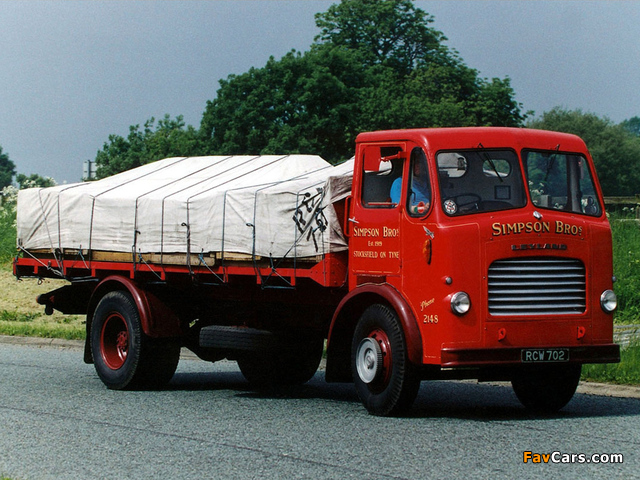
316, 388
436, 399
489, 402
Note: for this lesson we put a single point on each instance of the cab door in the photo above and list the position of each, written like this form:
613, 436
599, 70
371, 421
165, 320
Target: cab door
374, 220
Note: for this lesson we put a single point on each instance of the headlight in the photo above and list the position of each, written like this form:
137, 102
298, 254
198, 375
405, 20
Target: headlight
460, 303
608, 301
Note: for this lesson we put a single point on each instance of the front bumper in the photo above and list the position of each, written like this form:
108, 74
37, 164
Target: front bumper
493, 357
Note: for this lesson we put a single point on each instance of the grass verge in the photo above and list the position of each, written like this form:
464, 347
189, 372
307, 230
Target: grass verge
21, 315
625, 231
627, 372
42, 329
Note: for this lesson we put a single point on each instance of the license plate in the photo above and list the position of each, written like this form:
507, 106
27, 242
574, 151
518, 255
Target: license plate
544, 355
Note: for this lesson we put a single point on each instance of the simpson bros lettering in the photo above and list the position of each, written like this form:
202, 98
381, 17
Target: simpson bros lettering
516, 228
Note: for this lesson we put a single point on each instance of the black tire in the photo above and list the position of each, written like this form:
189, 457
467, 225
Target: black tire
546, 388
386, 382
288, 366
124, 357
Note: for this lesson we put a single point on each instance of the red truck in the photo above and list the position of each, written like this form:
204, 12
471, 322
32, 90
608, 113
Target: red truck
452, 253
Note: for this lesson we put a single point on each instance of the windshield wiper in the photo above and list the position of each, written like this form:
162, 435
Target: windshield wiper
490, 160
550, 162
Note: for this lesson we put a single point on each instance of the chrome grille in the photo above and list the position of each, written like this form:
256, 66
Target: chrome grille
537, 286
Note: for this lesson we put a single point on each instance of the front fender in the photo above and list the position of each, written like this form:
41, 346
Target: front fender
346, 317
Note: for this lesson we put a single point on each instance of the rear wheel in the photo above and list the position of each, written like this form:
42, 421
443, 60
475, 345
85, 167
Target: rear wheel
124, 357
384, 378
548, 388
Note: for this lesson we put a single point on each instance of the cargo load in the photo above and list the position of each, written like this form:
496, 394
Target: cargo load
278, 206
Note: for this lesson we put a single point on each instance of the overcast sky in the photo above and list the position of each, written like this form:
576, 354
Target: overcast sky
72, 73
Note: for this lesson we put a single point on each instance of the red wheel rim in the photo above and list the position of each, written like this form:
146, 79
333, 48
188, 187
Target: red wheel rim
114, 341
385, 346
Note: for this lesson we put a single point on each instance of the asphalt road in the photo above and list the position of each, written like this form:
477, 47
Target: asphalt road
58, 421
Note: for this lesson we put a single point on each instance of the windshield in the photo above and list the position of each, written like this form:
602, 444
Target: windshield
479, 180
561, 181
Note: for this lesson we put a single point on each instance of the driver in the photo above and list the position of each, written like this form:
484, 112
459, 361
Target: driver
419, 190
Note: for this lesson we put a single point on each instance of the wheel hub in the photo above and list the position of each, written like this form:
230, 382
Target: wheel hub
369, 361
114, 340
122, 343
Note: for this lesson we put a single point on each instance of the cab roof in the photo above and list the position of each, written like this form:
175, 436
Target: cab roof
485, 137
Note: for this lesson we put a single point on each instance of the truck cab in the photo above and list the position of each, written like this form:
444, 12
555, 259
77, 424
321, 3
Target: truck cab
476, 253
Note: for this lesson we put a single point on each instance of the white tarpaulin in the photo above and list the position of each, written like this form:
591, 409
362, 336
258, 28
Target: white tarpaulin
270, 206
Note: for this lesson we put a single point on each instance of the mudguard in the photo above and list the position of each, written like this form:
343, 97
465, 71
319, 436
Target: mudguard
346, 316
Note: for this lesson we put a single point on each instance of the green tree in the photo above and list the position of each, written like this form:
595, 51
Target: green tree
392, 32
632, 125
299, 104
414, 79
375, 65
170, 137
34, 180
615, 151
7, 169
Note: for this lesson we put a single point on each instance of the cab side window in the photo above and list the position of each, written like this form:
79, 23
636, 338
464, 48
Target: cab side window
382, 176
419, 193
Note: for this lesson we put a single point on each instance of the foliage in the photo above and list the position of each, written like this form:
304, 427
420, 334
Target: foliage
8, 223
168, 138
632, 125
7, 169
299, 104
625, 372
375, 65
34, 180
391, 33
625, 231
615, 151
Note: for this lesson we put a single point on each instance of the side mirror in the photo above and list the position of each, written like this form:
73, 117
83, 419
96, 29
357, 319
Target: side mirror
346, 227
393, 157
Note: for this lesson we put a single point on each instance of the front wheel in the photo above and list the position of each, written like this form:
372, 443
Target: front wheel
385, 380
124, 357
548, 388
